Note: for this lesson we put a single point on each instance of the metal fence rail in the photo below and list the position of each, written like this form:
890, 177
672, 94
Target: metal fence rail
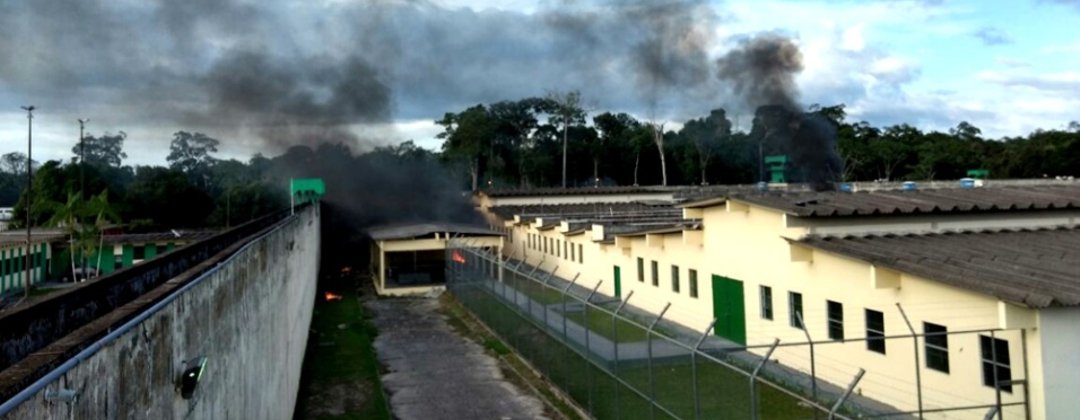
625, 366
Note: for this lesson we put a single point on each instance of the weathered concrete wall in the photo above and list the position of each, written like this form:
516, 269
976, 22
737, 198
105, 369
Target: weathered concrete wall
250, 318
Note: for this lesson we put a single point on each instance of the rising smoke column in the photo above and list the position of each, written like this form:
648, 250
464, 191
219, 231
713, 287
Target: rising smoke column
761, 71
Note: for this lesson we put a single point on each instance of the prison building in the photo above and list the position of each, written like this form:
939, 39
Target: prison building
410, 259
948, 298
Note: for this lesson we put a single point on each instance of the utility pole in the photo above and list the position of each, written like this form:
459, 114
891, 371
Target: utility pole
565, 126
82, 159
29, 190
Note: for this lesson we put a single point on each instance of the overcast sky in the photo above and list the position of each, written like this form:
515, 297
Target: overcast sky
263, 74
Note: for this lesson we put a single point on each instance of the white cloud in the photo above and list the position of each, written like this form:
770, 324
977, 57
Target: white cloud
853, 39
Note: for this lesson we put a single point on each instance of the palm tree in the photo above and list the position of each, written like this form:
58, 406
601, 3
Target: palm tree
86, 238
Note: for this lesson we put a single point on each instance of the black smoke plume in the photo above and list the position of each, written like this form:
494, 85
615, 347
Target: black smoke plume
761, 71
384, 186
670, 52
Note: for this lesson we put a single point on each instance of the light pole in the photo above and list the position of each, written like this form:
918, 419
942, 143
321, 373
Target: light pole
29, 190
82, 159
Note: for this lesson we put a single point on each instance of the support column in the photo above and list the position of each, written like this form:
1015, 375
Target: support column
382, 266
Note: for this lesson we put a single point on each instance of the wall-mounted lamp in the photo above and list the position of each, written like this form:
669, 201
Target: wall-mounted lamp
189, 379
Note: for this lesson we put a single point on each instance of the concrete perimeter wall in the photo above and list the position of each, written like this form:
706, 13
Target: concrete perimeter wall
250, 318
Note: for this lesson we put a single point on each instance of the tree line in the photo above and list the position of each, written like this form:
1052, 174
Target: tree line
551, 141
94, 188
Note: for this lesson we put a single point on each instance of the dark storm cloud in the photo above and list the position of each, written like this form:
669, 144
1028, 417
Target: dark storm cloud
285, 69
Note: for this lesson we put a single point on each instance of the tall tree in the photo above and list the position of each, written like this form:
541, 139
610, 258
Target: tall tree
467, 137
107, 150
641, 137
658, 139
614, 129
514, 121
566, 107
706, 134
190, 153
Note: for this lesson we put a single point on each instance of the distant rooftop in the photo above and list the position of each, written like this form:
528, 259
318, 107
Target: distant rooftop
537, 192
896, 202
419, 230
1038, 268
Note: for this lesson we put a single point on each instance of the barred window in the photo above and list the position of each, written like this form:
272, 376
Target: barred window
836, 319
937, 347
795, 309
655, 274
675, 278
693, 283
765, 292
995, 361
640, 270
875, 331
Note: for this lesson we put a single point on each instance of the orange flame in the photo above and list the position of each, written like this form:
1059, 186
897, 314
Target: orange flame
346, 270
331, 296
458, 258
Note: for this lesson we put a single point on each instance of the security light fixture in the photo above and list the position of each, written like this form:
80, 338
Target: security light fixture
189, 379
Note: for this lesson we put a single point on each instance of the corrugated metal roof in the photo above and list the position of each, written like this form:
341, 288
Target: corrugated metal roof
417, 230
1037, 267
537, 192
587, 210
898, 202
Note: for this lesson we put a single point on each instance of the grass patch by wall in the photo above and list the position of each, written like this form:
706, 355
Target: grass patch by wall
340, 378
723, 393
599, 322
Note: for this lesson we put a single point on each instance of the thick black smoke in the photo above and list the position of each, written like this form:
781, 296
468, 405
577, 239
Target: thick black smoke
295, 102
661, 45
761, 71
388, 185
671, 53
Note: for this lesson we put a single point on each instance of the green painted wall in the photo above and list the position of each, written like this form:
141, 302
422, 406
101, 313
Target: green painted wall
151, 251
127, 258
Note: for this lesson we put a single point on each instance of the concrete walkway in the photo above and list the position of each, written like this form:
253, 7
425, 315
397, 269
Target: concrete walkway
433, 373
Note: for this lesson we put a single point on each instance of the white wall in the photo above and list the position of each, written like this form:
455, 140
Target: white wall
1059, 329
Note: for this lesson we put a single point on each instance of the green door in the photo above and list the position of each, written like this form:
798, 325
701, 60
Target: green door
618, 282
729, 309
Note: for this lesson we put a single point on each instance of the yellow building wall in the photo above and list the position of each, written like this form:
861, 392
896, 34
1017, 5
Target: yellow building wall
747, 244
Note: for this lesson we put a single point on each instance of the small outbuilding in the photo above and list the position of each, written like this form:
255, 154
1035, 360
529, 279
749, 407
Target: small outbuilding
410, 259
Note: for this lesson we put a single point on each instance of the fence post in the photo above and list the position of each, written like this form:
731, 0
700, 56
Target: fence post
693, 368
537, 266
918, 366
652, 380
546, 325
847, 393
753, 379
615, 351
588, 348
813, 362
997, 382
564, 292
502, 265
548, 277
1024, 353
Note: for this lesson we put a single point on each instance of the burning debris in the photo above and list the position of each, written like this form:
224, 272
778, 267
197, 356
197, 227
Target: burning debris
331, 296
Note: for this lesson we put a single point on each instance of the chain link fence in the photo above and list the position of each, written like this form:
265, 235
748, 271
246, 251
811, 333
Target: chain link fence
618, 362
